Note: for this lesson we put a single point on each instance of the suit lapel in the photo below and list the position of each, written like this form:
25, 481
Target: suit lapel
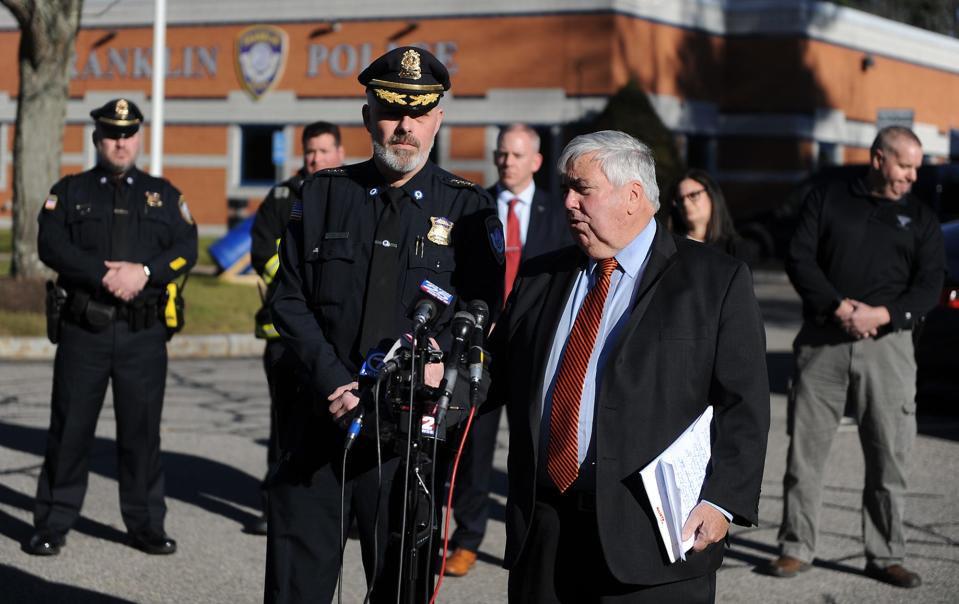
662, 257
537, 231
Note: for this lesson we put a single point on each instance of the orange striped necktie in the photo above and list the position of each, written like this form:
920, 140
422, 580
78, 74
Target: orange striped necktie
562, 451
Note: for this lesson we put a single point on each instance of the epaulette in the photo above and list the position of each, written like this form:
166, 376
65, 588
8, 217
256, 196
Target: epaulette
281, 192
459, 183
296, 213
331, 172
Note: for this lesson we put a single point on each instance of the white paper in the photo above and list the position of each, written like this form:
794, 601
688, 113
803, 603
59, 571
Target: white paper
674, 480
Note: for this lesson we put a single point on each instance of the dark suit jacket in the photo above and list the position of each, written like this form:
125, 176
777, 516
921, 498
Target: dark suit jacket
548, 229
694, 337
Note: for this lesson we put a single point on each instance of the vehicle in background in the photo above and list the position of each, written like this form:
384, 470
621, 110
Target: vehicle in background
937, 351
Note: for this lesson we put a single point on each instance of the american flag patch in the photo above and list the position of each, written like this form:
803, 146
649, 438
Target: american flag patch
50, 203
297, 212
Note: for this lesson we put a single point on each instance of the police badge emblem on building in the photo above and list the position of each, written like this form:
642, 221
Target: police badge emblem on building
260, 58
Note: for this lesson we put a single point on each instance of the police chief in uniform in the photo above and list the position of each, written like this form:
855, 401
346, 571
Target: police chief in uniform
116, 237
351, 263
322, 148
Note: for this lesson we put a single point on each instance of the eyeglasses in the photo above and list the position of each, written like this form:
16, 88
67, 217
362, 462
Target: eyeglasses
693, 197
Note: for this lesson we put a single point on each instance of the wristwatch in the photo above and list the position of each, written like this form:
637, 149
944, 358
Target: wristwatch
146, 271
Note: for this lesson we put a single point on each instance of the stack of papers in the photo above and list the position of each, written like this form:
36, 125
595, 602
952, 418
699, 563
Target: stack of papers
674, 480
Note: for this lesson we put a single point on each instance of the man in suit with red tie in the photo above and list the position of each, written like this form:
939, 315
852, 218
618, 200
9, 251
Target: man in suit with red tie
605, 353
534, 223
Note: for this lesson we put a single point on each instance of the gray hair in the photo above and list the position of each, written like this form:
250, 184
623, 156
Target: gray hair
621, 157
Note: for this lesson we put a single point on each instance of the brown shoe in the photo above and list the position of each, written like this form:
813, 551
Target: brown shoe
460, 562
895, 574
786, 567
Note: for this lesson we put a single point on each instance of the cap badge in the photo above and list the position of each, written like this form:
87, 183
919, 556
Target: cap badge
440, 231
410, 64
122, 109
153, 200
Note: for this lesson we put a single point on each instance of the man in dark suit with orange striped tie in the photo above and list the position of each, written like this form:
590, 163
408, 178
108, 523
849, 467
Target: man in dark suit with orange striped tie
534, 223
605, 353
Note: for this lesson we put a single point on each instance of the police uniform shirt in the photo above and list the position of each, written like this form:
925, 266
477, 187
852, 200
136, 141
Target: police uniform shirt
76, 223
326, 252
850, 244
269, 224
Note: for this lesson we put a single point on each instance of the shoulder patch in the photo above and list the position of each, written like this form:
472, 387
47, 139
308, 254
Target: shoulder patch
185, 211
296, 213
459, 183
281, 192
51, 202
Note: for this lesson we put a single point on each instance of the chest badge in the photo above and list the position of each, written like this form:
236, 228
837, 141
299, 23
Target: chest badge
440, 231
153, 200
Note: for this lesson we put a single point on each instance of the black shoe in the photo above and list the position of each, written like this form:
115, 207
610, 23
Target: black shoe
895, 574
257, 526
45, 543
153, 542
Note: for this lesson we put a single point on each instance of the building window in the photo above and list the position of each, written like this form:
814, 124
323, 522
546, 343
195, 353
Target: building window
256, 155
828, 154
701, 152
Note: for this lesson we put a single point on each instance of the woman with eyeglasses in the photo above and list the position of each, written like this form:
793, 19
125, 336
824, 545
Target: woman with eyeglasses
698, 210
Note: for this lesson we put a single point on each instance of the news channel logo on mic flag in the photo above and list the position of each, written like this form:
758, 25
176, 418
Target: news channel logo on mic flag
435, 291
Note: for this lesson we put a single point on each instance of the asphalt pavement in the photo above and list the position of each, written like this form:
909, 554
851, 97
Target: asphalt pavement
215, 425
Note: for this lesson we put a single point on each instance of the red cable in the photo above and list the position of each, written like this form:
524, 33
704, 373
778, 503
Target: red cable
449, 504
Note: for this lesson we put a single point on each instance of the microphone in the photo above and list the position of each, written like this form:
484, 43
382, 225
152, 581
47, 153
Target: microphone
373, 365
463, 322
475, 356
428, 307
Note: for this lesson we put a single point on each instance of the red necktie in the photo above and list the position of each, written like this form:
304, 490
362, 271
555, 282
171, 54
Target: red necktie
561, 462
514, 248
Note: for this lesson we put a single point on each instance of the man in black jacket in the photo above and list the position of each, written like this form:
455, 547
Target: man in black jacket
322, 148
867, 259
116, 237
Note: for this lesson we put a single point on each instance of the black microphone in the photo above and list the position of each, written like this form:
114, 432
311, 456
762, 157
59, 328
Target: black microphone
475, 356
427, 308
463, 322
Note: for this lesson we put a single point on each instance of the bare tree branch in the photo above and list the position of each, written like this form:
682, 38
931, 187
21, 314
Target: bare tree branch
19, 10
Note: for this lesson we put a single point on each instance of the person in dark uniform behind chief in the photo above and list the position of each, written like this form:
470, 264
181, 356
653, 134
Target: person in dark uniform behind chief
322, 148
351, 262
116, 237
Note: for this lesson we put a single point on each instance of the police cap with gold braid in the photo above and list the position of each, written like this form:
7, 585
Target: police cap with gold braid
119, 118
407, 79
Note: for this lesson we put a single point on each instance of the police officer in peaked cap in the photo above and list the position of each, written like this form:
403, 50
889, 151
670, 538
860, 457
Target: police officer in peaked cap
116, 237
360, 241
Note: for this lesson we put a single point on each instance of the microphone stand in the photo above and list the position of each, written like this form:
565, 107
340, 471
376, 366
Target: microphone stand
416, 564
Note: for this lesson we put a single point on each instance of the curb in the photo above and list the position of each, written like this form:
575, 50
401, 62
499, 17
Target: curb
231, 345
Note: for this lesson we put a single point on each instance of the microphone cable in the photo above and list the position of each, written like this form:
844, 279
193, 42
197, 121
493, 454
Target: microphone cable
406, 476
449, 503
379, 487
